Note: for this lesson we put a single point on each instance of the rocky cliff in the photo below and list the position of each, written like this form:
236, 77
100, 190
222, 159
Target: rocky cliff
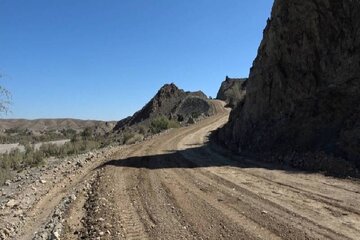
303, 93
232, 91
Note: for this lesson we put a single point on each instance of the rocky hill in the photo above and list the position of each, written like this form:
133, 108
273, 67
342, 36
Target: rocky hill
303, 96
171, 103
232, 91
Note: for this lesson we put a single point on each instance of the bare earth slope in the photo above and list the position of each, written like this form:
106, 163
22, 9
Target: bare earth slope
176, 186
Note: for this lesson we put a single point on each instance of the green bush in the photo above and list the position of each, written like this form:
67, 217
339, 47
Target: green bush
68, 133
16, 160
50, 150
127, 136
32, 159
162, 123
173, 124
142, 130
87, 133
136, 138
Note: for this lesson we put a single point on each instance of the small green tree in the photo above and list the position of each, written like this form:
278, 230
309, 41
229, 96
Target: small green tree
87, 133
69, 133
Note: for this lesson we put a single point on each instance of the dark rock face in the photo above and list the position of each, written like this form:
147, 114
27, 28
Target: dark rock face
192, 107
232, 91
171, 102
303, 93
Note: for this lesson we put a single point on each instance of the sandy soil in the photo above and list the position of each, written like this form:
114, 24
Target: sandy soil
177, 186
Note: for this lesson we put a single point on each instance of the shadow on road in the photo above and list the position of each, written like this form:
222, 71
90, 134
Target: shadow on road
208, 155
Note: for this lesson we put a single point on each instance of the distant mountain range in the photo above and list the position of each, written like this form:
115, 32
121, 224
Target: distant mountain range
53, 124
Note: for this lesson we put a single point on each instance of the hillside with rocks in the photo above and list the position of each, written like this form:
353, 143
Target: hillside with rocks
169, 103
14, 131
39, 125
232, 91
303, 100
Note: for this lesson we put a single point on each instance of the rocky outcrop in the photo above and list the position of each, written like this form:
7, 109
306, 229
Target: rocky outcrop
303, 93
171, 102
232, 91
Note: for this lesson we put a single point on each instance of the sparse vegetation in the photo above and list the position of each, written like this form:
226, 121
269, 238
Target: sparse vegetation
134, 139
87, 133
17, 160
162, 123
127, 136
142, 130
70, 148
15, 135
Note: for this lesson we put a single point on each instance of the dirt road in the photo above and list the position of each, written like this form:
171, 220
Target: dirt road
177, 186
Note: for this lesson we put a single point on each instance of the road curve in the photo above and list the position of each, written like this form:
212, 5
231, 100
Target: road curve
177, 186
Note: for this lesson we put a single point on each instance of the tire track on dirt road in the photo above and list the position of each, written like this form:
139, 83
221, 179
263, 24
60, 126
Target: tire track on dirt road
177, 186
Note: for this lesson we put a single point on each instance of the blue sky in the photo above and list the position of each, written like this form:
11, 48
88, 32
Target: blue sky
104, 59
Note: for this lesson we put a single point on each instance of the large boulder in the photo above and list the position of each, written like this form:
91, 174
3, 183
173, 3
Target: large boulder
303, 92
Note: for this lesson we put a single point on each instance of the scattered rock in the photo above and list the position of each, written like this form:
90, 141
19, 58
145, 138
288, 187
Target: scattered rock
12, 203
6, 231
73, 197
56, 234
7, 183
18, 213
79, 164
